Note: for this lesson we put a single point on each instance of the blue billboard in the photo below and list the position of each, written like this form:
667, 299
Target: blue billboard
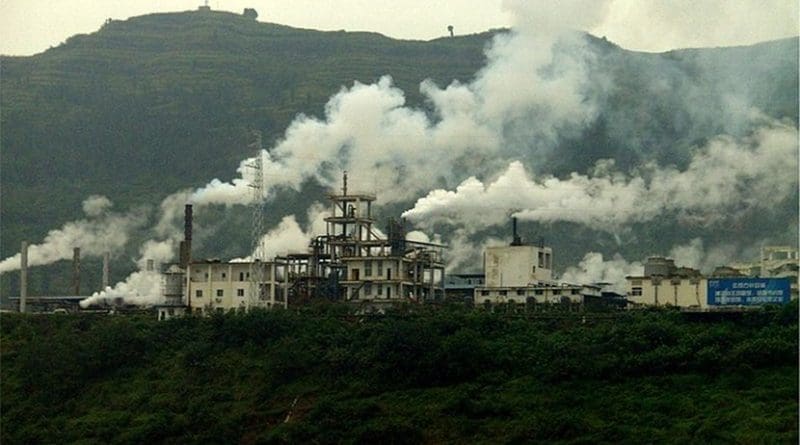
748, 291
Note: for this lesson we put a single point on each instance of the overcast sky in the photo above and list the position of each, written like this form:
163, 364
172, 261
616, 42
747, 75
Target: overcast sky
31, 26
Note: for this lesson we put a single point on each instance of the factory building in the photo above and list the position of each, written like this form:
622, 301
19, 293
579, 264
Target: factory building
461, 287
665, 284
352, 262
518, 264
213, 285
522, 274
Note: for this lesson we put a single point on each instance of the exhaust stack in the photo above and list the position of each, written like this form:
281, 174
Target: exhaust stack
186, 249
517, 241
106, 261
76, 270
23, 276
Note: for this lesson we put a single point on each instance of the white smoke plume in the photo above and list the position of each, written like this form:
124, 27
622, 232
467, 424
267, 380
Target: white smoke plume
142, 288
726, 174
101, 231
594, 269
530, 92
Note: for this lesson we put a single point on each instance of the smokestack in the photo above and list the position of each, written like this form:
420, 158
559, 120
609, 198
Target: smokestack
106, 261
23, 276
76, 270
187, 236
517, 241
344, 183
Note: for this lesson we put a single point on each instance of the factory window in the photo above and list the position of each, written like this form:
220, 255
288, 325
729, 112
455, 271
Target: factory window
636, 282
198, 293
224, 275
484, 293
240, 292
380, 268
557, 292
368, 289
241, 276
636, 291
220, 292
520, 292
503, 292
575, 291
380, 291
533, 269
368, 268
539, 292
541, 259
206, 275
354, 295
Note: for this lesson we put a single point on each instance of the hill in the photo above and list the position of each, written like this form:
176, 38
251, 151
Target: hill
162, 102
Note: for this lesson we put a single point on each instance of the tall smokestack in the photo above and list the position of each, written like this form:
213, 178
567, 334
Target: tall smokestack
106, 262
517, 241
187, 236
23, 275
76, 270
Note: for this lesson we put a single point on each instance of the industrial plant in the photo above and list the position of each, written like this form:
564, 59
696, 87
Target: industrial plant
354, 263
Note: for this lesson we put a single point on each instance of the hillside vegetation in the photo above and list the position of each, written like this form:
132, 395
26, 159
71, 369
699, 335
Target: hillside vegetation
447, 376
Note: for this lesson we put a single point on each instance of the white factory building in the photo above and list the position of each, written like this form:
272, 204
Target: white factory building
771, 280
522, 274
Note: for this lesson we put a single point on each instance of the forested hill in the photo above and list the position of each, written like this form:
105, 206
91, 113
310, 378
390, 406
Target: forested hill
159, 102
154, 104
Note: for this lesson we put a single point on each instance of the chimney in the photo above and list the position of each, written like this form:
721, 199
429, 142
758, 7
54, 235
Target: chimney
517, 241
187, 236
23, 276
76, 270
106, 261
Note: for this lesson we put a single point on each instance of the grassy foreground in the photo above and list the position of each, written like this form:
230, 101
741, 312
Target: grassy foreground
420, 376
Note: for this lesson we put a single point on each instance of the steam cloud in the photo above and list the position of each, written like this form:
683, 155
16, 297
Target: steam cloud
726, 174
101, 231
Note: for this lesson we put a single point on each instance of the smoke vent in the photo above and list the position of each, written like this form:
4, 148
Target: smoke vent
516, 241
76, 270
23, 276
106, 267
186, 249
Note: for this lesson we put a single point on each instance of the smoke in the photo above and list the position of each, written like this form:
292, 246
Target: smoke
289, 237
531, 92
594, 269
101, 231
726, 175
142, 288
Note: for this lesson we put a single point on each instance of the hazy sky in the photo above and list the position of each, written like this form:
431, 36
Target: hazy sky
31, 26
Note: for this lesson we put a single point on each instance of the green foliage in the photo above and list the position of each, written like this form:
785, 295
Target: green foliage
409, 377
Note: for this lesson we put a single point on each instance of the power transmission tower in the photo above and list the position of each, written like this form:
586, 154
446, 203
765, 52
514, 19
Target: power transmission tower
258, 266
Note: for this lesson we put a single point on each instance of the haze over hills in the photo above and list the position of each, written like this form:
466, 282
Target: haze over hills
159, 103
